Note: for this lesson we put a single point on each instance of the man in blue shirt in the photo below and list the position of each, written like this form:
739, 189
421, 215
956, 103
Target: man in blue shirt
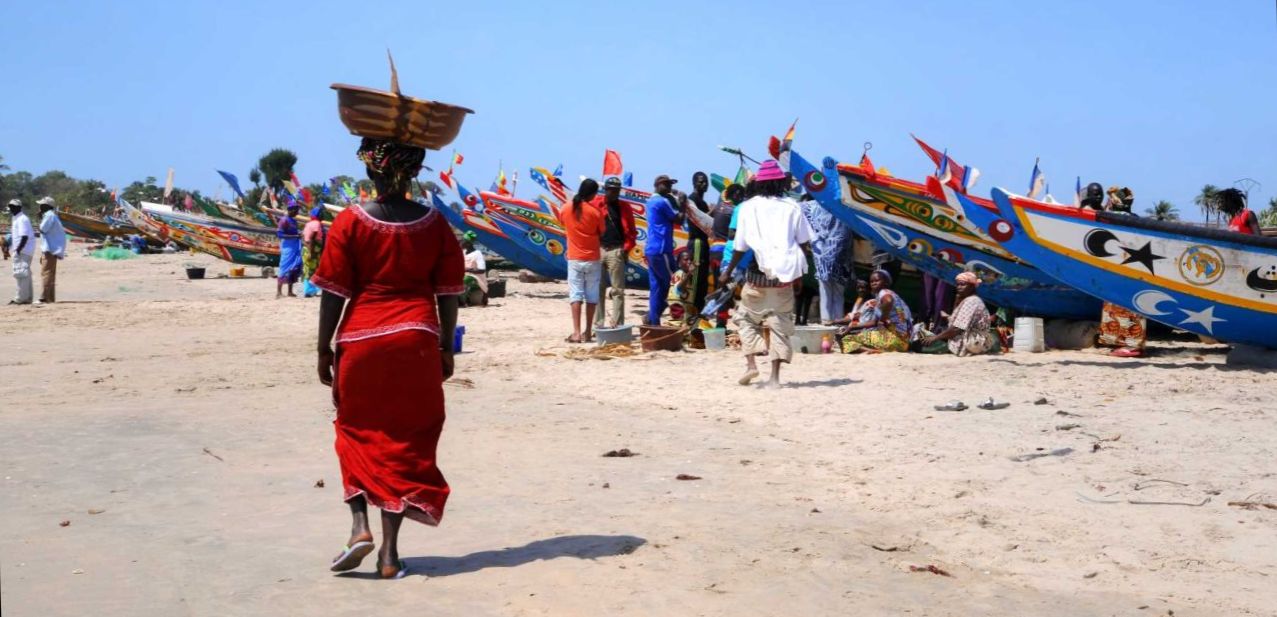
663, 215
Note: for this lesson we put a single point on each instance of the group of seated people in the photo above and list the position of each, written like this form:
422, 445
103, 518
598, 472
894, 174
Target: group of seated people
881, 321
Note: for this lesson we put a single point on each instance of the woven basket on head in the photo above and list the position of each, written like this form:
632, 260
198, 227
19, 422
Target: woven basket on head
391, 115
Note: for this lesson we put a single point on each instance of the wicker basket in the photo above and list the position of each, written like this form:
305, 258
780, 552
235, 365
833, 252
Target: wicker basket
391, 115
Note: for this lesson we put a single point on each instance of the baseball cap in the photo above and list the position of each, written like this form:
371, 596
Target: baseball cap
664, 178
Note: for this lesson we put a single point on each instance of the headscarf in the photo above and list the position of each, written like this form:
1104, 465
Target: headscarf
470, 236
969, 278
316, 211
885, 276
393, 162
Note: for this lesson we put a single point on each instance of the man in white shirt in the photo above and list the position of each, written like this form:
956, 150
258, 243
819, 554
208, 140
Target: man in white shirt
53, 246
774, 228
23, 243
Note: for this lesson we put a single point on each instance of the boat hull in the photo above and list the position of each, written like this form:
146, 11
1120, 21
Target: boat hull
940, 245
492, 238
1212, 283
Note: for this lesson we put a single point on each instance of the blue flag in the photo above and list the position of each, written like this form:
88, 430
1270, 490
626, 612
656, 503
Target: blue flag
233, 181
628, 179
558, 171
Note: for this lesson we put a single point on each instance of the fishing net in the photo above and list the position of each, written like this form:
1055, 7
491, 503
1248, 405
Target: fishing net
113, 253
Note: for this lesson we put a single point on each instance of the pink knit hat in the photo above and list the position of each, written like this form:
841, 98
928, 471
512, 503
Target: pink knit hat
769, 170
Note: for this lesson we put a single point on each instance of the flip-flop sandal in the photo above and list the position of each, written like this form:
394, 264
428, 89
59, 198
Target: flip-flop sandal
569, 340
952, 406
993, 405
747, 378
402, 572
352, 556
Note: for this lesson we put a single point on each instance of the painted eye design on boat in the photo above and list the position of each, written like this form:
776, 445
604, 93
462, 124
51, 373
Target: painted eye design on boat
554, 247
1001, 230
471, 200
950, 255
814, 181
536, 236
919, 246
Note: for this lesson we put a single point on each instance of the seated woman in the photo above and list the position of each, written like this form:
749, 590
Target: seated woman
863, 307
680, 297
887, 327
968, 333
476, 280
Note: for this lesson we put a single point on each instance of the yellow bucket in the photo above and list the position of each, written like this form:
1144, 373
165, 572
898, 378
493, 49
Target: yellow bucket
237, 272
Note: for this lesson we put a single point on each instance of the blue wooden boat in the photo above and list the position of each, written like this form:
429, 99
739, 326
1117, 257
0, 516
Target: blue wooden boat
914, 224
1210, 282
491, 236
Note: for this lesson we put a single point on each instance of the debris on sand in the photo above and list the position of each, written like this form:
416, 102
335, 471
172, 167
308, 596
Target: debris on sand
622, 453
684, 476
930, 568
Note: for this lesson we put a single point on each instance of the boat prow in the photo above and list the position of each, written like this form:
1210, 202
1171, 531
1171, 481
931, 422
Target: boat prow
1210, 282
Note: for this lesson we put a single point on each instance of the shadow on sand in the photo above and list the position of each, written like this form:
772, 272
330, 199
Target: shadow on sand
580, 547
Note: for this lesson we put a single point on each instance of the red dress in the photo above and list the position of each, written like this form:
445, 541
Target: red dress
388, 384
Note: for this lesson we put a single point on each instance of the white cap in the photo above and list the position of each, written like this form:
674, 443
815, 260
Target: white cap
45, 201
15, 202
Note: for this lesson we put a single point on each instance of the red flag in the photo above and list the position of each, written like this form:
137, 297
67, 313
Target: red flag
457, 158
611, 163
773, 147
867, 165
306, 196
446, 178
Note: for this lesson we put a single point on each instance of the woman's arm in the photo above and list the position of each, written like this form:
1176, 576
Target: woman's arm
331, 306
447, 306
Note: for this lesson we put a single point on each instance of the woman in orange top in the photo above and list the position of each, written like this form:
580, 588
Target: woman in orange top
584, 222
1242, 220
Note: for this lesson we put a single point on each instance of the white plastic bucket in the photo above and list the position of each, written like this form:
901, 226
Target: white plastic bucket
1029, 335
807, 339
620, 334
715, 339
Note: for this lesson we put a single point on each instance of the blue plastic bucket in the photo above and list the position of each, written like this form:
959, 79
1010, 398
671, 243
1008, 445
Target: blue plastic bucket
457, 336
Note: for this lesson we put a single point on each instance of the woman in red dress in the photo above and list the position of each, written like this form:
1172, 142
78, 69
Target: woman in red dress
395, 270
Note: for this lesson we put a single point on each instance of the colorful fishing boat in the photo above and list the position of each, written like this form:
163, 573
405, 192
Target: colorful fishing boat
251, 246
489, 235
1210, 282
92, 228
914, 223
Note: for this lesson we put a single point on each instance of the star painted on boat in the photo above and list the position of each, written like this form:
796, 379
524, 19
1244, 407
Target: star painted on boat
1144, 255
1205, 318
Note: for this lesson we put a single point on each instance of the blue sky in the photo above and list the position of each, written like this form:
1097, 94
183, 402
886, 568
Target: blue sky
1160, 96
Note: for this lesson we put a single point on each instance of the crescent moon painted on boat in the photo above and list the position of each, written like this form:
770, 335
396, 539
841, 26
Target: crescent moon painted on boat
1095, 242
983, 265
1259, 283
1146, 302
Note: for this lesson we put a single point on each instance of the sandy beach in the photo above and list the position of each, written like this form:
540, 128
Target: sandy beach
179, 430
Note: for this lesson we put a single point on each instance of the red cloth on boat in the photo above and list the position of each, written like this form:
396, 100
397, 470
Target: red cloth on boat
388, 384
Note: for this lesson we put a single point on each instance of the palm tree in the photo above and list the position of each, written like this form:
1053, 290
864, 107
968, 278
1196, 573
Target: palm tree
1163, 211
3, 167
277, 166
1206, 199
1268, 218
255, 176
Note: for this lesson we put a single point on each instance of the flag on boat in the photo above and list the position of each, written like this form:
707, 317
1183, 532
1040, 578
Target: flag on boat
550, 181
558, 171
628, 180
446, 178
456, 158
786, 144
231, 180
1077, 193
188, 203
612, 163
501, 182
291, 187
867, 165
959, 177
168, 184
1036, 181
296, 183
